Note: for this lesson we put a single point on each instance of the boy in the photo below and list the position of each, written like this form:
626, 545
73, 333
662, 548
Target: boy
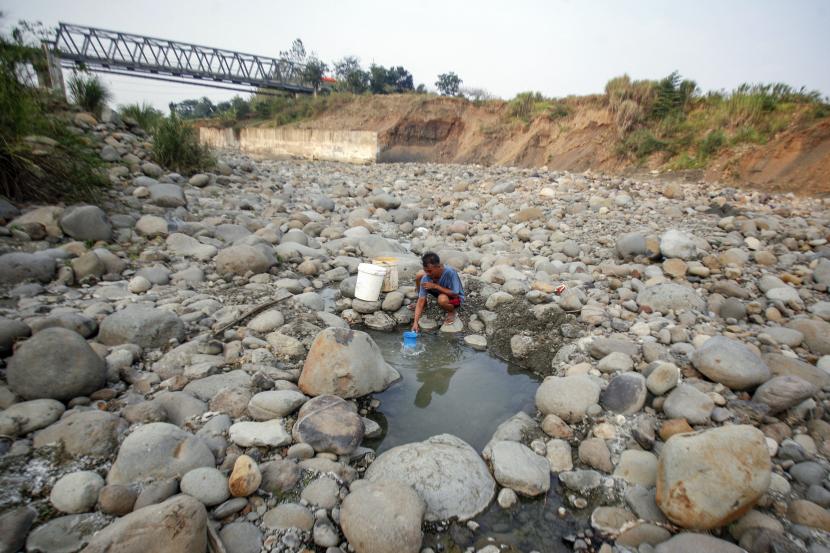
441, 282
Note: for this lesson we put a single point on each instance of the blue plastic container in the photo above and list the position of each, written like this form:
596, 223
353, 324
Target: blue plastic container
410, 339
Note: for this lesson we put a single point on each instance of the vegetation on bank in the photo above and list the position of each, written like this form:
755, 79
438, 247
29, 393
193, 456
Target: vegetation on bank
41, 159
176, 146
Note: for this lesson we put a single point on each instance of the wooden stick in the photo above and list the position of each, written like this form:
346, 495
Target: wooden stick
249, 313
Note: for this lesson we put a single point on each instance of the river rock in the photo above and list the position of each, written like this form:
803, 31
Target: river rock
241, 537
116, 499
67, 534
809, 514
76, 492
444, 470
275, 404
669, 296
637, 467
14, 526
55, 363
166, 194
288, 515
245, 477
28, 416
782, 392
151, 226
781, 365
625, 394
383, 517
206, 484
18, 267
710, 478
675, 243
182, 244
84, 433
239, 259
662, 378
346, 363
329, 424
179, 525
516, 467
86, 222
731, 363
694, 543
567, 397
10, 331
816, 333
156, 451
145, 326
687, 402
270, 433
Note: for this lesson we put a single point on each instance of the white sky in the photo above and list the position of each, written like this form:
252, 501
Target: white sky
558, 47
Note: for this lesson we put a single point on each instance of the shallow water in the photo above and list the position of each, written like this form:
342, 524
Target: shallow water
450, 388
447, 387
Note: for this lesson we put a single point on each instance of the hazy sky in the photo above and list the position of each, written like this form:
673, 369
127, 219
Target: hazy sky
558, 47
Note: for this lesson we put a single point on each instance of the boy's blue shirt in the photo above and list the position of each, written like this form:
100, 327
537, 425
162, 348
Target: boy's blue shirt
449, 279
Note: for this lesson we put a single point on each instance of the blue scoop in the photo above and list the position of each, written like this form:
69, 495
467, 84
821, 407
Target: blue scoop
410, 339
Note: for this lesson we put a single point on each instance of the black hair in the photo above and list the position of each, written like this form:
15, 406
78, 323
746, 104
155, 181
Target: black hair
430, 258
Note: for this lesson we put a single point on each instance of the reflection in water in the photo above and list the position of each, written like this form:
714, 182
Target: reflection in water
447, 387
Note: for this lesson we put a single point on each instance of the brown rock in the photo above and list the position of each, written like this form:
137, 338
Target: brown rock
594, 453
116, 499
672, 427
233, 401
809, 514
675, 267
555, 427
245, 477
329, 424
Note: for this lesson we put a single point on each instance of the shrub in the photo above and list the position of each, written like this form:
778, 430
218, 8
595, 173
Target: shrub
89, 92
713, 142
144, 114
523, 106
642, 143
176, 145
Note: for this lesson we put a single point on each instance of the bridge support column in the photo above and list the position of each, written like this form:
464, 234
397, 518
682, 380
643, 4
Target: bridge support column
54, 73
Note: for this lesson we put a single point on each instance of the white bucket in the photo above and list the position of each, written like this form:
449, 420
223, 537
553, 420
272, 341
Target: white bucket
369, 281
390, 281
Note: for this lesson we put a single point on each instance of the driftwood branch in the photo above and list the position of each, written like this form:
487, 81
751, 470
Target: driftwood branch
249, 313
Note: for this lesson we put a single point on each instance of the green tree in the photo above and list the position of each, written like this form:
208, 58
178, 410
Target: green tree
448, 84
351, 77
387, 81
314, 71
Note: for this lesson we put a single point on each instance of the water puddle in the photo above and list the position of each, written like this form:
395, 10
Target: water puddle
447, 387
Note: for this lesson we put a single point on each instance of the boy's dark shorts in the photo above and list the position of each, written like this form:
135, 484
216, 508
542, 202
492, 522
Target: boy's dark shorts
455, 302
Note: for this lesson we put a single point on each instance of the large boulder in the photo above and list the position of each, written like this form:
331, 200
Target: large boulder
84, 433
730, 363
28, 416
345, 363
142, 325
329, 424
55, 363
157, 451
47, 216
708, 479
679, 244
179, 525
782, 392
383, 517
239, 259
165, 194
20, 266
567, 397
669, 296
86, 222
444, 470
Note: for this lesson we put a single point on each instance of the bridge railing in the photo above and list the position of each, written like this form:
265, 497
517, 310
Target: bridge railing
95, 47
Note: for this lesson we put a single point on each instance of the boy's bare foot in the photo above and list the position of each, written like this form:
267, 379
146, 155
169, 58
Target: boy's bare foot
411, 307
450, 319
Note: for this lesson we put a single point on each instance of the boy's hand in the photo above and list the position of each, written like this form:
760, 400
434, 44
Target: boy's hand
428, 285
415, 327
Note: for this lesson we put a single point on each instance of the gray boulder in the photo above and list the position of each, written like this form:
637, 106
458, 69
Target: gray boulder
687, 402
383, 517
731, 363
179, 525
76, 492
65, 534
15, 524
783, 392
625, 393
55, 363
444, 470
10, 331
275, 404
345, 363
17, 267
156, 451
145, 326
675, 243
28, 416
86, 222
241, 537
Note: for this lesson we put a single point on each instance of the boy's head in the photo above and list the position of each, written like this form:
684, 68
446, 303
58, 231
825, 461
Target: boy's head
432, 265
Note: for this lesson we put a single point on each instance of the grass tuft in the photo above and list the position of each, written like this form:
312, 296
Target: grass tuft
89, 92
176, 145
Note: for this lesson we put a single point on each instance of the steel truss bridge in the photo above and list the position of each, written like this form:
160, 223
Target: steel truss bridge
156, 58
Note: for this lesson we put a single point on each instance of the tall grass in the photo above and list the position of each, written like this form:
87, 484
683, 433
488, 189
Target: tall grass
147, 117
176, 145
89, 92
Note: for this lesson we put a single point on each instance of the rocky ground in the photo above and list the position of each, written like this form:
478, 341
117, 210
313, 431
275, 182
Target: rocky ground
184, 369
